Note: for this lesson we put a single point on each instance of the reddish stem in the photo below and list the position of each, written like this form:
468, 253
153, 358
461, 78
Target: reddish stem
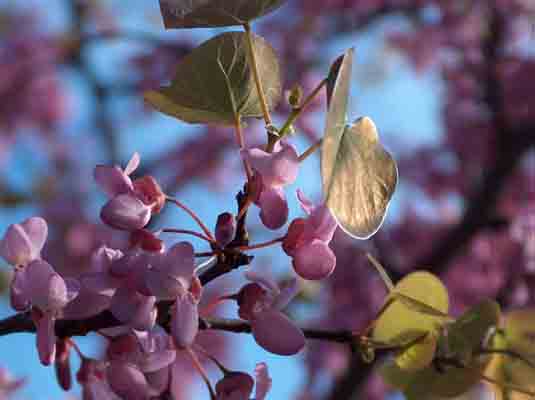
192, 215
188, 232
259, 245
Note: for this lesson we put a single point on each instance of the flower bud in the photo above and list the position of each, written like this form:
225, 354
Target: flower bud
225, 228
62, 364
295, 96
235, 386
149, 192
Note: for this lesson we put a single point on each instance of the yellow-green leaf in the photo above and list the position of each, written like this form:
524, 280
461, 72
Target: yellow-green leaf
214, 82
476, 322
214, 13
417, 355
398, 319
520, 330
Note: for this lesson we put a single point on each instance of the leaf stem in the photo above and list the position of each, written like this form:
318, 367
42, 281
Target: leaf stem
256, 75
192, 215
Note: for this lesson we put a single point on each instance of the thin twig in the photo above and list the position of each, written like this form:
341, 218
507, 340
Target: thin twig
189, 232
259, 245
192, 215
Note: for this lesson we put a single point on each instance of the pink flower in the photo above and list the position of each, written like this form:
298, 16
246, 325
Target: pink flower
92, 377
307, 241
260, 302
151, 352
22, 243
184, 320
123, 279
48, 293
170, 273
131, 203
128, 381
274, 170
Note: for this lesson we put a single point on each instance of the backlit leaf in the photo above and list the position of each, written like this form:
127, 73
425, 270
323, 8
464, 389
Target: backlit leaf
417, 355
429, 383
520, 330
359, 176
398, 319
214, 82
214, 13
476, 322
418, 306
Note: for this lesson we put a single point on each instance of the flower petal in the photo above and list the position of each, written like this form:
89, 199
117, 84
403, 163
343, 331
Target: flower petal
19, 291
128, 382
314, 261
274, 208
263, 381
305, 202
276, 333
155, 361
277, 169
184, 321
22, 243
125, 212
132, 164
46, 339
112, 180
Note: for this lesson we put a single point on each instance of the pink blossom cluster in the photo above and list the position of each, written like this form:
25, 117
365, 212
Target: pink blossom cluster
135, 283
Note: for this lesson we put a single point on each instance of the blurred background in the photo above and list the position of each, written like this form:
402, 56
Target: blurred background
449, 83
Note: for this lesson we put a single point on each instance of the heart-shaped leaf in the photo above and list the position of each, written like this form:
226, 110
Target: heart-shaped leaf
398, 319
214, 13
359, 177
417, 355
475, 323
429, 383
520, 331
214, 83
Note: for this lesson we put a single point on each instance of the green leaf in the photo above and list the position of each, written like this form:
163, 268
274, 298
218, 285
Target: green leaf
475, 323
214, 83
417, 355
418, 306
359, 176
429, 383
398, 319
519, 330
214, 13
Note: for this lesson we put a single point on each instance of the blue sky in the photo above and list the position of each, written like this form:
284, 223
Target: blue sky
400, 102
